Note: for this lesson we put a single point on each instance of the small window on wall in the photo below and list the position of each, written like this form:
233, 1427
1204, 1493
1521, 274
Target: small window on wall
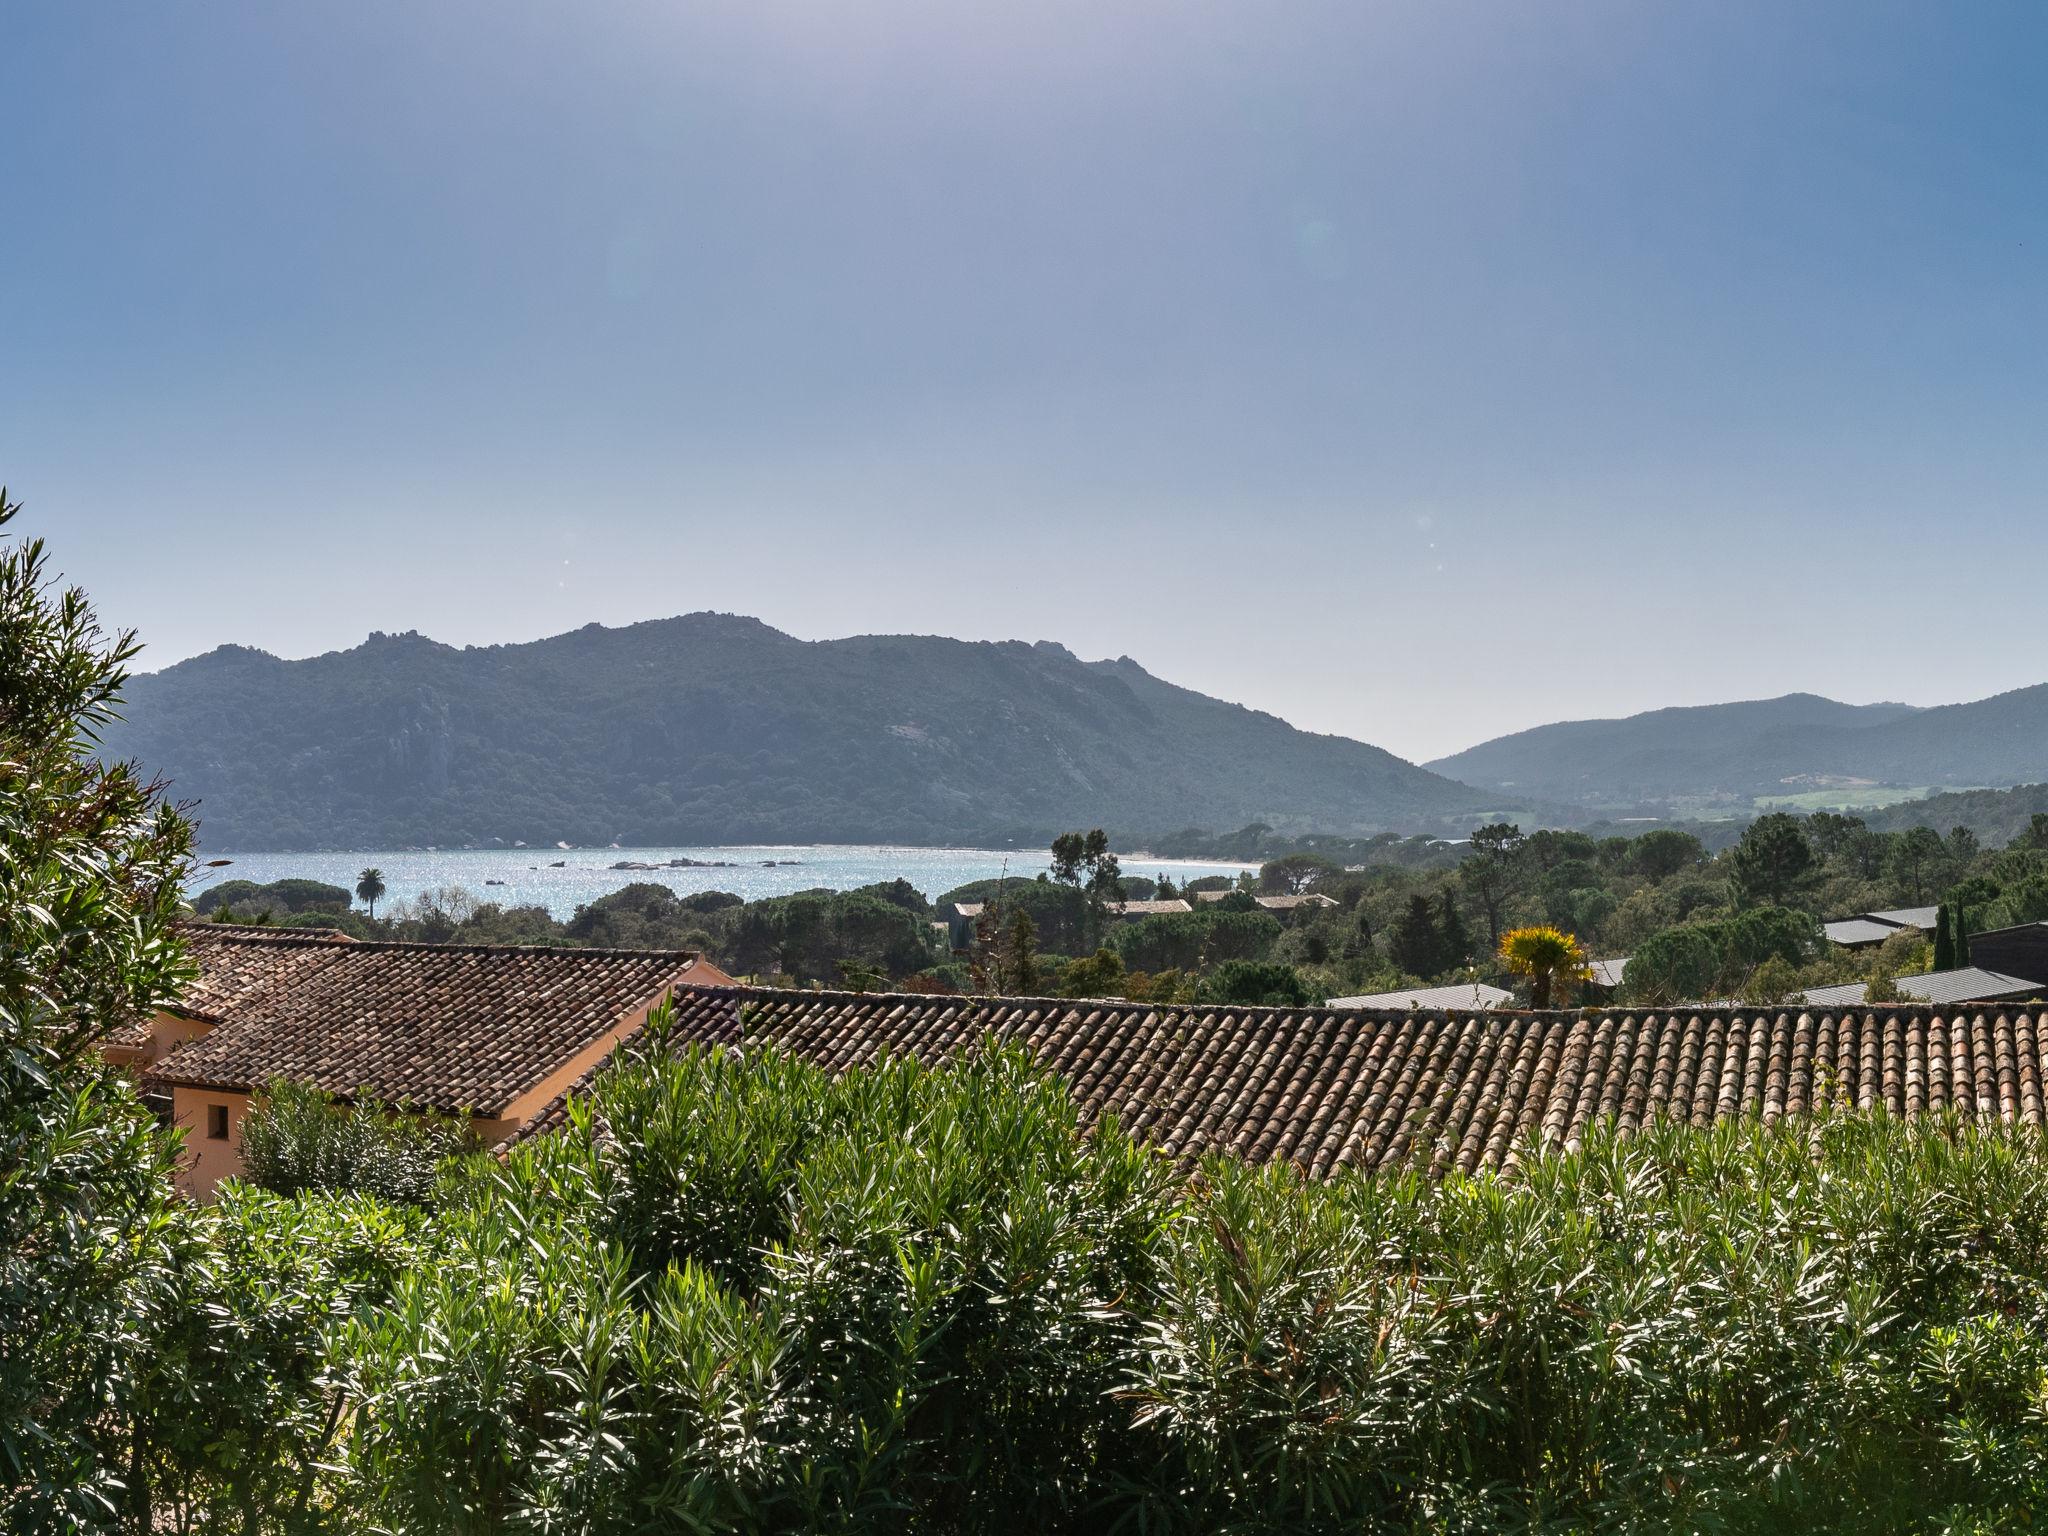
216, 1122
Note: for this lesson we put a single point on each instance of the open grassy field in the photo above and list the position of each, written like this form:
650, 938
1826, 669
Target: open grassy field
1849, 799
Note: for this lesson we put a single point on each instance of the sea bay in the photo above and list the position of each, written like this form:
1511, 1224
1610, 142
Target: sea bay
564, 879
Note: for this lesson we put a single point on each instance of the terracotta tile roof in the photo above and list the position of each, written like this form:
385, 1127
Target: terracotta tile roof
230, 969
238, 961
197, 925
1150, 908
1329, 1088
449, 1026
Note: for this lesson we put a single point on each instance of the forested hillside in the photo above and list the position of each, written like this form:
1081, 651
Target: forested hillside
716, 729
1728, 755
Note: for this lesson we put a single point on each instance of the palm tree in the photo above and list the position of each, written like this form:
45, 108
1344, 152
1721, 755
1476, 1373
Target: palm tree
370, 888
1545, 956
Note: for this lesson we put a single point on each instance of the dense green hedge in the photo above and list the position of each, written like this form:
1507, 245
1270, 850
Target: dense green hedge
922, 1300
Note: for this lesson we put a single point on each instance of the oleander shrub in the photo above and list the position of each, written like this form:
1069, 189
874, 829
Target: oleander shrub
91, 1244
297, 1139
242, 1408
764, 1298
740, 1294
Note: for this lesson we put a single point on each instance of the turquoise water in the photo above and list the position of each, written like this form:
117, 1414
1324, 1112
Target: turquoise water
526, 876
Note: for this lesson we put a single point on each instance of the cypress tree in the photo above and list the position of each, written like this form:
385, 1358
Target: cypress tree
1454, 944
1959, 944
1944, 939
1417, 945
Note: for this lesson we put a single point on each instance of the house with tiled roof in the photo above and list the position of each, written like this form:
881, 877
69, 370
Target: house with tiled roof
960, 930
1374, 1089
1131, 911
1301, 902
493, 1032
235, 961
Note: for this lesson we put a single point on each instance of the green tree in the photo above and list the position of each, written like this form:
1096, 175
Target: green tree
1296, 873
1020, 954
1548, 847
1254, 982
1714, 958
1164, 941
1098, 975
1488, 872
1772, 983
1833, 835
370, 888
297, 1138
1772, 860
1944, 938
1916, 861
91, 865
1416, 944
1240, 936
1662, 853
1962, 848
1454, 943
861, 975
1083, 860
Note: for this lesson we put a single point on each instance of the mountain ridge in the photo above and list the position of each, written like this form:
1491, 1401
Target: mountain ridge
707, 728
1737, 753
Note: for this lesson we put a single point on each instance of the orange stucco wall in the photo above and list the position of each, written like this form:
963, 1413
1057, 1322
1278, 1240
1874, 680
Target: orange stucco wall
205, 1161
167, 1031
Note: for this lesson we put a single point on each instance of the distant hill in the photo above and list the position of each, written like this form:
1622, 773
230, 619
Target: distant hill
1728, 755
1997, 816
717, 729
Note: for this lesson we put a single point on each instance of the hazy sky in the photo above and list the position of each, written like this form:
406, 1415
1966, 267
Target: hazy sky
1418, 372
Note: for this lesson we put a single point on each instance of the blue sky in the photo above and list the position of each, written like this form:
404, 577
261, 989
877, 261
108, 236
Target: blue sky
1417, 372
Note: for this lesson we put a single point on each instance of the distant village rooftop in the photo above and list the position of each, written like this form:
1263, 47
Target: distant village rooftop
1870, 928
1291, 903
1609, 973
1967, 984
1466, 994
